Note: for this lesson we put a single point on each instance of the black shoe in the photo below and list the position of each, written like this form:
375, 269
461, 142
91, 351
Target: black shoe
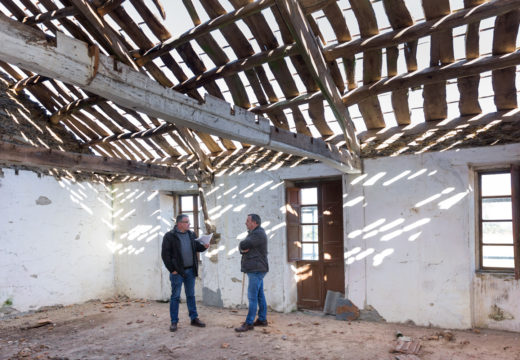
173, 327
197, 322
259, 322
244, 327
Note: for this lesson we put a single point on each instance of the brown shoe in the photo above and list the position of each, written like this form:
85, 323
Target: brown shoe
259, 322
196, 322
244, 327
173, 327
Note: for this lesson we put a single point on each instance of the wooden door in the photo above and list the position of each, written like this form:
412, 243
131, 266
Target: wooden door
326, 270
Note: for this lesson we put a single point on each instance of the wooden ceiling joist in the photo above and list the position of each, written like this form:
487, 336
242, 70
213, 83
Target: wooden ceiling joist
70, 62
51, 15
425, 28
310, 51
13, 154
205, 28
28, 81
73, 107
459, 69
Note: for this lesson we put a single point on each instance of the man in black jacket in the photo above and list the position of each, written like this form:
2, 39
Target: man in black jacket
254, 263
179, 254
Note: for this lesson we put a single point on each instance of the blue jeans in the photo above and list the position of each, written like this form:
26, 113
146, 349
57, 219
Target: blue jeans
256, 297
189, 290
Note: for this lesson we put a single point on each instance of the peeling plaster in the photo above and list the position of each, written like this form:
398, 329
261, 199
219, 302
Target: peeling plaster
43, 200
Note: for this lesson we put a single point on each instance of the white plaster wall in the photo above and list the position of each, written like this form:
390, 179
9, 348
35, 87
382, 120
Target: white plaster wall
143, 213
230, 200
410, 239
54, 241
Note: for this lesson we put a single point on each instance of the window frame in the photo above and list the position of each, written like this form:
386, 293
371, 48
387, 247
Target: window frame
195, 227
514, 172
317, 223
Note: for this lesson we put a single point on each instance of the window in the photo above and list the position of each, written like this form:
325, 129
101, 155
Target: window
499, 220
189, 205
309, 223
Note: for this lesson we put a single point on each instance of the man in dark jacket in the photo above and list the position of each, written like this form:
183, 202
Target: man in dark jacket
254, 263
179, 254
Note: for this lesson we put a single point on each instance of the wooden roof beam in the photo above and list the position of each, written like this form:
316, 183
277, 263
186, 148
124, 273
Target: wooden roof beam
74, 106
205, 28
396, 37
104, 31
144, 134
28, 81
70, 62
313, 57
50, 15
235, 66
431, 75
13, 154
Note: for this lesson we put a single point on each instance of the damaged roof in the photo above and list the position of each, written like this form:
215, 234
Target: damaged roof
185, 89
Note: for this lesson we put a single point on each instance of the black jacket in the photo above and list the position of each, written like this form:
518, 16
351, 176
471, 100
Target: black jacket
254, 260
171, 252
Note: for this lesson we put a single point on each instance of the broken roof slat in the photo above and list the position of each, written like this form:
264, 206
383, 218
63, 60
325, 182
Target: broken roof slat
504, 41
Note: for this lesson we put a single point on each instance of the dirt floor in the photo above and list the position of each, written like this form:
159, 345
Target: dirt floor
138, 329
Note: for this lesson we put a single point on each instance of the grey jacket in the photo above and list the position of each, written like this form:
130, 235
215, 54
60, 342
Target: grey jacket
254, 260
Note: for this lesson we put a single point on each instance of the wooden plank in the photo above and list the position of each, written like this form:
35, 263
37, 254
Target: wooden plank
504, 42
236, 66
266, 40
400, 18
369, 108
435, 106
70, 63
316, 63
401, 107
425, 28
13, 154
515, 198
51, 15
205, 28
337, 21
468, 86
105, 31
433, 74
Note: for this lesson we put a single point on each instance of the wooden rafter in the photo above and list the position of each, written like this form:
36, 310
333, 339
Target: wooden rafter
431, 75
51, 15
137, 91
12, 154
311, 53
411, 33
205, 28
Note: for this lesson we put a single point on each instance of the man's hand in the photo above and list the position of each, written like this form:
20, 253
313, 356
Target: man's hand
174, 273
206, 245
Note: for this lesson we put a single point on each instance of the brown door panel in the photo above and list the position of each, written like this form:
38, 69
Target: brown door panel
309, 285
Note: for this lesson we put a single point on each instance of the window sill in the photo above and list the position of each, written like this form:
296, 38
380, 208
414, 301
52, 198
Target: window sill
497, 274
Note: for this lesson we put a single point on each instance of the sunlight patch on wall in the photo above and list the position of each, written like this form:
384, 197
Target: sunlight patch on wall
448, 203
374, 179
232, 251
239, 208
378, 258
214, 252
358, 179
418, 173
415, 236
152, 195
417, 224
352, 252
354, 201
392, 224
396, 178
